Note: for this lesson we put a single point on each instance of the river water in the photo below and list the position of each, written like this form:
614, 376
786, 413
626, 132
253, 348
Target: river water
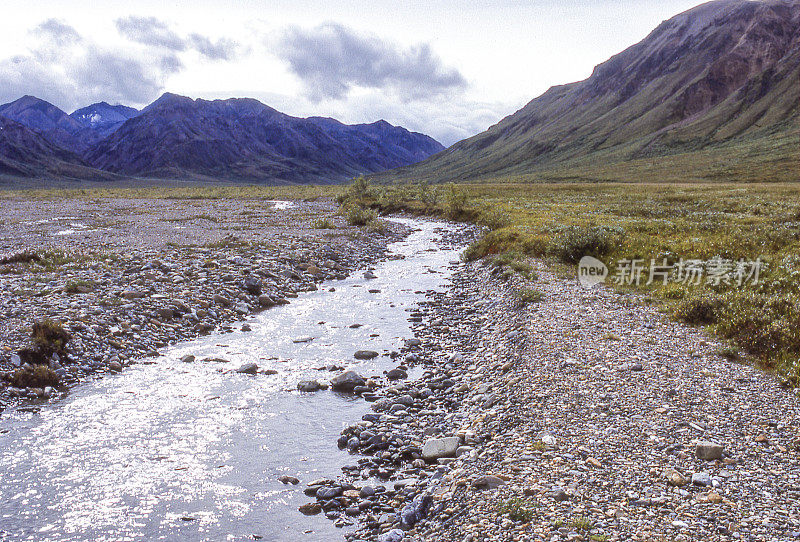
168, 450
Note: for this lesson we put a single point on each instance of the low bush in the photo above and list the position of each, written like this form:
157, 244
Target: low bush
699, 309
323, 224
506, 240
49, 336
359, 216
574, 242
517, 509
529, 295
39, 376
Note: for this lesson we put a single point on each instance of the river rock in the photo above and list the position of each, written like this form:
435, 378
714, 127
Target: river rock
326, 493
309, 386
708, 451
487, 482
415, 511
365, 354
285, 479
347, 381
248, 368
701, 479
396, 374
188, 358
437, 448
251, 285
310, 509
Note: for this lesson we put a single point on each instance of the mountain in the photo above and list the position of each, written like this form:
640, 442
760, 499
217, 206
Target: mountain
243, 139
712, 93
50, 122
24, 153
103, 118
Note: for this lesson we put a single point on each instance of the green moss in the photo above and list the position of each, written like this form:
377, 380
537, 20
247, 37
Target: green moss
517, 509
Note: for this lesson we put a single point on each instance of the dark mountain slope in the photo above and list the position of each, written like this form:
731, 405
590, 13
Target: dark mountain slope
24, 153
50, 122
724, 75
243, 139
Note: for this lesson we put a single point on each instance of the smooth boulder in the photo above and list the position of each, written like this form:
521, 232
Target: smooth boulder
437, 448
347, 381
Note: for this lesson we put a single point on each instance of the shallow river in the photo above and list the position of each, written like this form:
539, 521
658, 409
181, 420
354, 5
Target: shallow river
168, 450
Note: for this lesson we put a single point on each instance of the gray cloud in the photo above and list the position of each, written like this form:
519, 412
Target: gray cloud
71, 71
156, 33
222, 49
331, 59
150, 31
60, 33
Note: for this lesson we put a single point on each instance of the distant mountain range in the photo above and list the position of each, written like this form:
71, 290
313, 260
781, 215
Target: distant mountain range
179, 138
711, 94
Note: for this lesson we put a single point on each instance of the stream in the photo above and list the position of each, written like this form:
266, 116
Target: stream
167, 450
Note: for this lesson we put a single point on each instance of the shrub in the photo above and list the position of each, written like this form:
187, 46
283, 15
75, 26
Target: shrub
581, 524
574, 242
517, 509
49, 336
20, 257
427, 195
506, 240
39, 376
699, 309
762, 323
529, 295
358, 216
493, 218
455, 202
323, 224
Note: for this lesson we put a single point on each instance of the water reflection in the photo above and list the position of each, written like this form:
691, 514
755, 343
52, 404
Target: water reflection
192, 451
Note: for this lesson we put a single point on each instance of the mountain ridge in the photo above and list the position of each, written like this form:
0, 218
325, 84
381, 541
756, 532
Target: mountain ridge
238, 139
720, 71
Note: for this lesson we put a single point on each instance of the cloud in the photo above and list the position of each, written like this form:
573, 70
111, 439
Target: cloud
71, 71
59, 33
332, 59
155, 33
150, 31
222, 49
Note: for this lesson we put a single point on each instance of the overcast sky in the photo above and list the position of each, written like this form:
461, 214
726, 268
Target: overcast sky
448, 68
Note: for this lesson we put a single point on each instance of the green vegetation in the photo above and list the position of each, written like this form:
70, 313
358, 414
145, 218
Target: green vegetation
49, 336
517, 509
359, 216
39, 376
581, 524
616, 222
323, 224
529, 295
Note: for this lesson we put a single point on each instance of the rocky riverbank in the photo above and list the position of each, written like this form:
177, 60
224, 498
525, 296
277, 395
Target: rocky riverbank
126, 277
587, 415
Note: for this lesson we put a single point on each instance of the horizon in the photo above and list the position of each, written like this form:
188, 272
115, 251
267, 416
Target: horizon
310, 61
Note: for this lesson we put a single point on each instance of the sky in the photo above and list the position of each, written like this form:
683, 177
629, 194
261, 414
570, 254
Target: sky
448, 68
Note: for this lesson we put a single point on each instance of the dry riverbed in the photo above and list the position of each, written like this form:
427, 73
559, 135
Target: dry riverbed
127, 277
